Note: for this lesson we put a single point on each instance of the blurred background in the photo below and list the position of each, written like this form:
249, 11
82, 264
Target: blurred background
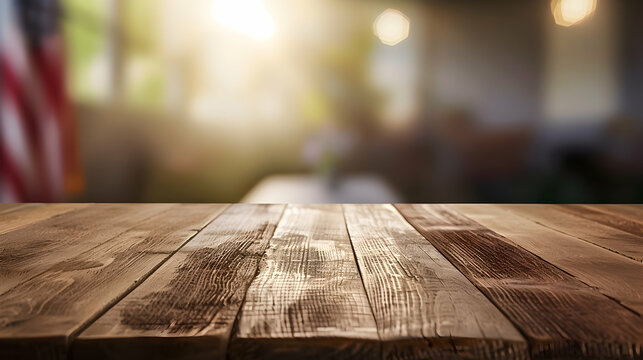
322, 100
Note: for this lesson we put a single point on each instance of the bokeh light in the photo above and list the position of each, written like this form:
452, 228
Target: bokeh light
391, 27
570, 12
246, 16
486, 101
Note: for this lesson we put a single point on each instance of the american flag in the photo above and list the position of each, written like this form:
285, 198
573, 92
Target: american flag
38, 140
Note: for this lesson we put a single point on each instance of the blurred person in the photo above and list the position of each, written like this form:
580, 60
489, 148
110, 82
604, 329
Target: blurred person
37, 143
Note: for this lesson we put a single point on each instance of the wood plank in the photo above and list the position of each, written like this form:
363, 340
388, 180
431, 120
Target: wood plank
559, 315
631, 212
7, 207
28, 251
192, 300
307, 300
616, 276
619, 223
45, 312
620, 242
19, 218
21, 207
423, 306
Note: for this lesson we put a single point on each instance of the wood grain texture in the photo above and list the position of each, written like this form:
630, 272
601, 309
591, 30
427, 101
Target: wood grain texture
7, 207
31, 250
612, 239
617, 222
423, 306
616, 276
631, 212
560, 316
19, 218
47, 310
86, 281
307, 300
192, 300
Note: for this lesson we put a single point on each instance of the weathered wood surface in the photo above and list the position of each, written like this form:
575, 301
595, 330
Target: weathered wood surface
192, 299
8, 207
31, 250
73, 290
616, 276
308, 294
162, 281
631, 212
18, 218
618, 241
423, 306
616, 222
560, 316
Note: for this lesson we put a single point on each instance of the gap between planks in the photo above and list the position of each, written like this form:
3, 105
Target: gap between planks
569, 318
237, 316
142, 279
50, 321
616, 276
33, 213
307, 294
595, 233
50, 240
193, 299
596, 215
423, 306
108, 332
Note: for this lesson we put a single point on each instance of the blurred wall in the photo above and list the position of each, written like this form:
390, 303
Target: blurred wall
581, 77
486, 57
484, 101
631, 56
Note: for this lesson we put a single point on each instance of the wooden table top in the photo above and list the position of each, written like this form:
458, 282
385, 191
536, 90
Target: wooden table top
91, 281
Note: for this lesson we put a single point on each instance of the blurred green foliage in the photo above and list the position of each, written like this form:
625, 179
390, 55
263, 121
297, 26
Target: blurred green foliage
84, 27
91, 71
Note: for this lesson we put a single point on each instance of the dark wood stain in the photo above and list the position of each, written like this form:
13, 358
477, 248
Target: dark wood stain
307, 298
613, 274
117, 281
616, 222
201, 286
424, 308
210, 272
195, 296
59, 301
559, 315
306, 348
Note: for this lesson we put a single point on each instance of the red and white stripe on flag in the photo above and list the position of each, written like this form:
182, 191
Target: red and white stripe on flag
37, 144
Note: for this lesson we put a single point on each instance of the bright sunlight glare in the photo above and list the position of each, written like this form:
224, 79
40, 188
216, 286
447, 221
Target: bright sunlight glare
570, 12
247, 16
391, 27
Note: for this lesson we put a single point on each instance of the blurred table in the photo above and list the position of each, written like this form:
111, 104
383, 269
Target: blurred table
352, 281
314, 189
